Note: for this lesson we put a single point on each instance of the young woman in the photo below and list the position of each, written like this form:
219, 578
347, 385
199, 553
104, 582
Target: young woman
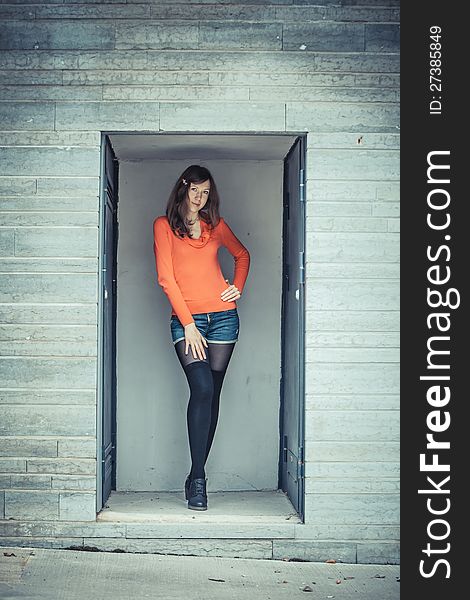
204, 323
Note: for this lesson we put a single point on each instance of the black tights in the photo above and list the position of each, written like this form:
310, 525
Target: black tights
205, 378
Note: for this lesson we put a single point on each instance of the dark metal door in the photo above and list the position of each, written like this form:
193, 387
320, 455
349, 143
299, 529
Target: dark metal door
110, 196
292, 328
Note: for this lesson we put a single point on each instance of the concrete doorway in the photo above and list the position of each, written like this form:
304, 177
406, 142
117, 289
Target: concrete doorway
252, 471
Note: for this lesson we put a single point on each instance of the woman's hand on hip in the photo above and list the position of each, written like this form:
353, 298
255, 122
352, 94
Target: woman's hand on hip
195, 340
230, 293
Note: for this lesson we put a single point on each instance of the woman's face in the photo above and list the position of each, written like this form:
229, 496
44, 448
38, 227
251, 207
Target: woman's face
197, 196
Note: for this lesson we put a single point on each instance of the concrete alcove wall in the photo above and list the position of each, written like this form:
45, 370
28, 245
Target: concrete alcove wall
152, 393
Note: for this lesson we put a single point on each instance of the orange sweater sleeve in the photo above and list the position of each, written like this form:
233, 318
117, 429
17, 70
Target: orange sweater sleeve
239, 253
166, 277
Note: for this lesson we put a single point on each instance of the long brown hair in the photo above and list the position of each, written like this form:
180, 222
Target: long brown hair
175, 208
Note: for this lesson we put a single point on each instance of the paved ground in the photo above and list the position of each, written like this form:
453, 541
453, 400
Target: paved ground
49, 574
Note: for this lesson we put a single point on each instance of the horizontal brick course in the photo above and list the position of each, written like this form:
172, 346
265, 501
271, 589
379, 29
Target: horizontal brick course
44, 419
39, 396
48, 161
56, 35
137, 35
362, 118
22, 115
31, 372
110, 115
19, 287
199, 116
323, 37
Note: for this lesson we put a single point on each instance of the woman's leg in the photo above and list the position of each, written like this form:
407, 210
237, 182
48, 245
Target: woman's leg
199, 376
219, 357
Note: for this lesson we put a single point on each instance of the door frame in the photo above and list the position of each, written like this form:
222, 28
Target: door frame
301, 140
301, 137
105, 150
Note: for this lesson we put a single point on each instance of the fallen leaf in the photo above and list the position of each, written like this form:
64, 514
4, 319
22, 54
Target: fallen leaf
331, 561
338, 581
9, 554
377, 576
213, 579
307, 588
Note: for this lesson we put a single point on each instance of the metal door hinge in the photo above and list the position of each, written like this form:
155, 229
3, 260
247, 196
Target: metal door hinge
302, 185
302, 267
301, 463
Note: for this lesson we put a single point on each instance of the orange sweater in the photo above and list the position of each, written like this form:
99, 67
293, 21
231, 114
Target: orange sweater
189, 271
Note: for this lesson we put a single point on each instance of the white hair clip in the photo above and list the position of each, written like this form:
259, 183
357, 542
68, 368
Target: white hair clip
185, 182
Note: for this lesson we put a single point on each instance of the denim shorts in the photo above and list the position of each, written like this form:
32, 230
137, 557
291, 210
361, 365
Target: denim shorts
219, 327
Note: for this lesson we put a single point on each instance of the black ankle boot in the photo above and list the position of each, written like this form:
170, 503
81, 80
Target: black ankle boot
186, 486
197, 494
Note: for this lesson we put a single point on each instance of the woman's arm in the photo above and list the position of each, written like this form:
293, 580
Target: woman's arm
240, 255
166, 277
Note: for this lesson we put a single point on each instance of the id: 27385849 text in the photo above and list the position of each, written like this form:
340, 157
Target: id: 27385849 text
435, 70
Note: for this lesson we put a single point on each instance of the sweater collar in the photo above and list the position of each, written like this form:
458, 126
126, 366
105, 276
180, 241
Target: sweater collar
202, 239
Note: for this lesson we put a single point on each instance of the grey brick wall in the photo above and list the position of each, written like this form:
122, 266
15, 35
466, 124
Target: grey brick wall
70, 69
